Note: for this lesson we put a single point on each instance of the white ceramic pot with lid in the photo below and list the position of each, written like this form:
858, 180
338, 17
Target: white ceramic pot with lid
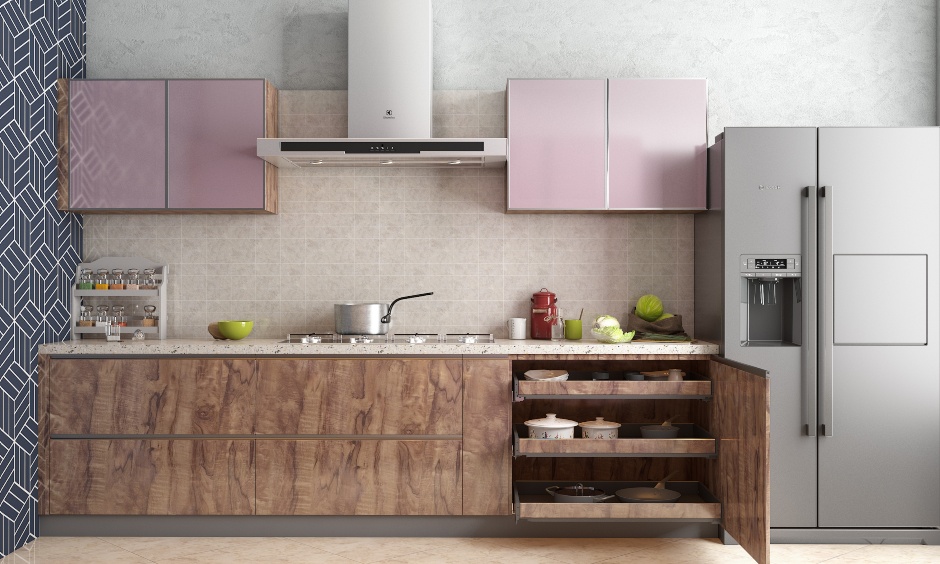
551, 427
599, 429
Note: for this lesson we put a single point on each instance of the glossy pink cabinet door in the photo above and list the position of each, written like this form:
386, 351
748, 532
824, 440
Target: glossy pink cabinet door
557, 141
657, 144
117, 144
212, 133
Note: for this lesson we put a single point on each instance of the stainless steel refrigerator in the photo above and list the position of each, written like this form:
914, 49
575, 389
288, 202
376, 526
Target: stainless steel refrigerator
818, 261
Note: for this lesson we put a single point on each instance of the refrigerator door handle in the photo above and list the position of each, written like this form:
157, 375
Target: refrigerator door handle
825, 312
808, 296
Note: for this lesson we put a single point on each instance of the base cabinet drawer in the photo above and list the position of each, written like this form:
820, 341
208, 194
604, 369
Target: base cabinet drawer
695, 503
359, 477
151, 477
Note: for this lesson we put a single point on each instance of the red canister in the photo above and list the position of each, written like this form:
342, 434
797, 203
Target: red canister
543, 314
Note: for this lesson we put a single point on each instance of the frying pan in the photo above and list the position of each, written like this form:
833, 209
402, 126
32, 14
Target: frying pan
577, 494
655, 494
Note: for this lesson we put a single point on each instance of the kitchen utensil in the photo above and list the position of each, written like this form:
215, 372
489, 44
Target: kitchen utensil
235, 329
546, 375
655, 494
516, 327
663, 374
577, 494
664, 431
551, 427
366, 318
599, 429
544, 313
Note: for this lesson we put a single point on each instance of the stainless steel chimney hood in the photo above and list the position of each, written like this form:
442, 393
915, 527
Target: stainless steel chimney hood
389, 94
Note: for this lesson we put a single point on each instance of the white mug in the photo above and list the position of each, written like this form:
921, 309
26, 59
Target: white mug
516, 327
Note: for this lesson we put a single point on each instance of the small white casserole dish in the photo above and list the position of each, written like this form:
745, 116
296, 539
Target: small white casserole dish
551, 427
599, 429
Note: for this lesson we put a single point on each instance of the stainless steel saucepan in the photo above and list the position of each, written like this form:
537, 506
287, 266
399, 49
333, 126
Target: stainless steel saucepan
366, 318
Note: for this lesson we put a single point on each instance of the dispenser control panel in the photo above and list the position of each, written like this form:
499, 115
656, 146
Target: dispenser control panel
779, 266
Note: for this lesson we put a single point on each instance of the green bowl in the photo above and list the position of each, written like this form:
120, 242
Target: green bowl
235, 329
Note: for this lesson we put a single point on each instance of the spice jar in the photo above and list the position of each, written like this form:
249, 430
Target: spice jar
86, 282
149, 283
149, 320
101, 281
85, 318
119, 318
117, 279
133, 279
103, 314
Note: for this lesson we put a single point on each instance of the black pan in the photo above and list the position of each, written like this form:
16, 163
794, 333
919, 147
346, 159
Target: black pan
655, 494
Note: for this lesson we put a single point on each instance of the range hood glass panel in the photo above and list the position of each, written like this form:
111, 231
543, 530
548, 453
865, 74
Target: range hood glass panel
451, 152
396, 161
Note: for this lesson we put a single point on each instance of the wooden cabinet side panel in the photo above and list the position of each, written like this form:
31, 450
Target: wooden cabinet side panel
740, 478
150, 396
42, 428
132, 477
410, 396
487, 413
62, 143
270, 131
368, 477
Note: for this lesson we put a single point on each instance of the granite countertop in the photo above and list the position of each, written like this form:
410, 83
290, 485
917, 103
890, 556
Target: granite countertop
255, 347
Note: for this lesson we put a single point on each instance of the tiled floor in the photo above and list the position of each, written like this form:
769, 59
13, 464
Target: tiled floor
348, 550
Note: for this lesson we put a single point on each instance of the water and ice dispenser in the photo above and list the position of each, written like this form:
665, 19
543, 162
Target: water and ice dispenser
771, 300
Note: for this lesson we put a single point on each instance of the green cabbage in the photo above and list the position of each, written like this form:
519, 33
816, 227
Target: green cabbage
612, 335
664, 316
606, 321
649, 307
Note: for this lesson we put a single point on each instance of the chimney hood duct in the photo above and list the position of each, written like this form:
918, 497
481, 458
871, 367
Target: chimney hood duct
390, 98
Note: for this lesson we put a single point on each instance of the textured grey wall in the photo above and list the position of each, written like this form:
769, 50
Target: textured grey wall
798, 62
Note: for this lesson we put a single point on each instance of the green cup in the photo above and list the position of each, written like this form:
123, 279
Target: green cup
573, 329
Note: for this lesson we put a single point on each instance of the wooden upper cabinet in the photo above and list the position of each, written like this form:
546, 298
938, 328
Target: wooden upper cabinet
657, 144
377, 396
606, 145
557, 143
166, 146
115, 143
150, 396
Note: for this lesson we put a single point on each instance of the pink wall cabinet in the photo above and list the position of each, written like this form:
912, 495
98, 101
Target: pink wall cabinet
115, 145
556, 154
171, 146
657, 144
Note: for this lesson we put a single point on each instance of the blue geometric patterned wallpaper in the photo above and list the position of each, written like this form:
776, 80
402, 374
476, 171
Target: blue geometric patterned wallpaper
40, 40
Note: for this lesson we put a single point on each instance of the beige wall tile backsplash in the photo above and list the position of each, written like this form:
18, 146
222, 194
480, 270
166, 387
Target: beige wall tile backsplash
370, 234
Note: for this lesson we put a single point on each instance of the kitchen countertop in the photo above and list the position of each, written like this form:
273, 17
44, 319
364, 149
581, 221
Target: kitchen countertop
256, 347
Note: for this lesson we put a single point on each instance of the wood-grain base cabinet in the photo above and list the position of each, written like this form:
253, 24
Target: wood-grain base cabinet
721, 470
275, 436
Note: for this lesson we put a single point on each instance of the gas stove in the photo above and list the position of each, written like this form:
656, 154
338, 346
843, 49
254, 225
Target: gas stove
397, 338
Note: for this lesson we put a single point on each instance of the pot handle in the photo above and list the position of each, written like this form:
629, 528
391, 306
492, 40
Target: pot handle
387, 318
605, 498
551, 490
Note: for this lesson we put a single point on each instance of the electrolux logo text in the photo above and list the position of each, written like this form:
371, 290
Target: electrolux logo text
762, 188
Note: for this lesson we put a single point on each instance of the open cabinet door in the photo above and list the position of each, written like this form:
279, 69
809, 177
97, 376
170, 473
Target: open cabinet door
740, 477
